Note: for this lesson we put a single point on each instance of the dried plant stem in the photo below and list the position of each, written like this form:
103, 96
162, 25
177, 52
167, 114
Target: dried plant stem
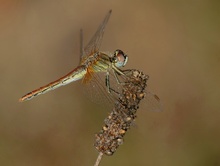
98, 159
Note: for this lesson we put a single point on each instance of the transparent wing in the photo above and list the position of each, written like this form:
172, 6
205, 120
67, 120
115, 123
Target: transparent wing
81, 45
151, 102
95, 42
97, 92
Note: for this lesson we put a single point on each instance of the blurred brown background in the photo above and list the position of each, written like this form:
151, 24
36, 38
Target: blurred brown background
177, 43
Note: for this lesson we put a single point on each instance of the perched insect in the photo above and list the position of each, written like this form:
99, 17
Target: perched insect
92, 63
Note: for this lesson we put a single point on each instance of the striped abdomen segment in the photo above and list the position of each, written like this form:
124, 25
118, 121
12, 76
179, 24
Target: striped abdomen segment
72, 76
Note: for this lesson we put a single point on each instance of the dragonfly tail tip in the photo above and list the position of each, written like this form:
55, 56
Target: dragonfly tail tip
21, 100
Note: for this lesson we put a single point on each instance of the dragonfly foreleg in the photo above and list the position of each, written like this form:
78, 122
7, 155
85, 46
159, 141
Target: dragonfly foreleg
107, 83
116, 74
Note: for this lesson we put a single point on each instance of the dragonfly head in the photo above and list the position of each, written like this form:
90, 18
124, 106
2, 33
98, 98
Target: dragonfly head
119, 58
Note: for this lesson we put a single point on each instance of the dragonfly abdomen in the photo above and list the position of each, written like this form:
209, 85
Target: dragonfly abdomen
72, 76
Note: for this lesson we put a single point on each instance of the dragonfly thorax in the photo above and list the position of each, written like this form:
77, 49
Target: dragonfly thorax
119, 59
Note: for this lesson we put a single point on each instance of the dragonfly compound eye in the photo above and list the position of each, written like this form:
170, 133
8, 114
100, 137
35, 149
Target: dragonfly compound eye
120, 58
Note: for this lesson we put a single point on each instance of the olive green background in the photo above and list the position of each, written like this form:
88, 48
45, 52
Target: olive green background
177, 43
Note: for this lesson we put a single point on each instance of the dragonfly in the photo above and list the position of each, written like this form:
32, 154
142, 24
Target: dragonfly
93, 61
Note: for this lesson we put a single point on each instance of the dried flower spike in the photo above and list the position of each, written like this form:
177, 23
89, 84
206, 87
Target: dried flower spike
123, 114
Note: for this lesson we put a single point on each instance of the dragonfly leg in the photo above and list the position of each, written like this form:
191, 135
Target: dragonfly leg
124, 73
107, 83
121, 73
117, 79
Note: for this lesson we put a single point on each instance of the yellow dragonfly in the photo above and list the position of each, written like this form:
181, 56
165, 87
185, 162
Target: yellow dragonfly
93, 61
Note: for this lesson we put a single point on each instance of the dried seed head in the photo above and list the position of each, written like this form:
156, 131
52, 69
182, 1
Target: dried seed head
105, 128
122, 131
123, 114
120, 141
